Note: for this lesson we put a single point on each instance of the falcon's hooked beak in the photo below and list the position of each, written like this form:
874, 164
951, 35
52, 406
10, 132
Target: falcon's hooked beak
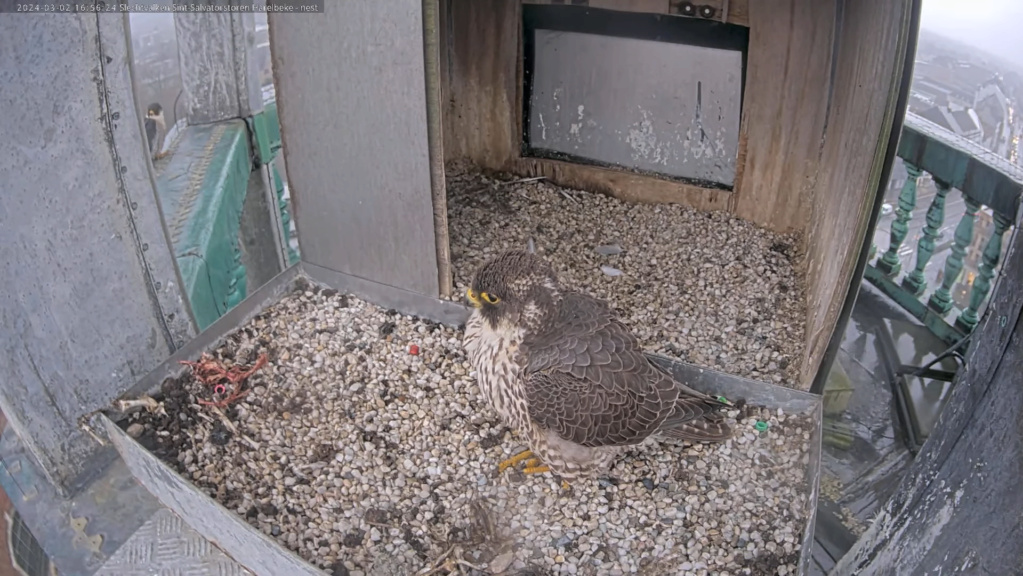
473, 299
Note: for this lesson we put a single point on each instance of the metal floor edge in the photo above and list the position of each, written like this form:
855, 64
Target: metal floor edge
112, 526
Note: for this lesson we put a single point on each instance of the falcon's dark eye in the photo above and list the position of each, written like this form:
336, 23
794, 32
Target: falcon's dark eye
490, 298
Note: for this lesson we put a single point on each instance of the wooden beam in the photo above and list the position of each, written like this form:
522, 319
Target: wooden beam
621, 184
871, 48
481, 98
784, 111
433, 52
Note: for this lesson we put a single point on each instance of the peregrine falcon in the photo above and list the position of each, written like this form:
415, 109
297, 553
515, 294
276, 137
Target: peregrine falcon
559, 367
156, 130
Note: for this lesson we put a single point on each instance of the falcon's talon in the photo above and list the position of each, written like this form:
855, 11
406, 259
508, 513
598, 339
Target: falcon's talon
533, 463
515, 460
536, 470
565, 485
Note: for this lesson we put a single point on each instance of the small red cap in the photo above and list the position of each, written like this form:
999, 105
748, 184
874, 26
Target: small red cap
413, 350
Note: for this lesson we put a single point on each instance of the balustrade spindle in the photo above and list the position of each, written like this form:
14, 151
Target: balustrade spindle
941, 300
889, 263
915, 282
992, 254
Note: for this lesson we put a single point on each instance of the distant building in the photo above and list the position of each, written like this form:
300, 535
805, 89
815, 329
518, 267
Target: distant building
994, 112
895, 182
949, 83
967, 99
964, 122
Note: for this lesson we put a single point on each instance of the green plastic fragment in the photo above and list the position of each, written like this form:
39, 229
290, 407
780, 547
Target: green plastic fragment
722, 400
761, 426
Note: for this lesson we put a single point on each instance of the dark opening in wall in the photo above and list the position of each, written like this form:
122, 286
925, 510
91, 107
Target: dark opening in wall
648, 93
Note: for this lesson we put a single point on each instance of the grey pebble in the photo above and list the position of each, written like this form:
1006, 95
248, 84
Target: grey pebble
135, 430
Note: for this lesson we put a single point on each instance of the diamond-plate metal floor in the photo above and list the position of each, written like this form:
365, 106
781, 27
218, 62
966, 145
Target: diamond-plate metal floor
112, 526
168, 546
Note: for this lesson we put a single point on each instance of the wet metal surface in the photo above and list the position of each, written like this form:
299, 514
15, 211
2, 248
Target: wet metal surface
81, 532
859, 474
111, 527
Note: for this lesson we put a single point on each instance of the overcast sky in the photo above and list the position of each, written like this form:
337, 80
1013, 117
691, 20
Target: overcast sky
992, 25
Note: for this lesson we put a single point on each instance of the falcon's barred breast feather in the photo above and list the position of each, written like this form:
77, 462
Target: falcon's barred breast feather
560, 367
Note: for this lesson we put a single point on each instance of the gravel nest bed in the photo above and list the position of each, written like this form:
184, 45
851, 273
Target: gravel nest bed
365, 458
703, 287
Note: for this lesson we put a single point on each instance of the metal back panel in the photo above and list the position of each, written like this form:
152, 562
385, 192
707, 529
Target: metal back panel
640, 91
352, 102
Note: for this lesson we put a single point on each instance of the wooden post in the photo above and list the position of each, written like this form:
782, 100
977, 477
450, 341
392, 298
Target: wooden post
958, 507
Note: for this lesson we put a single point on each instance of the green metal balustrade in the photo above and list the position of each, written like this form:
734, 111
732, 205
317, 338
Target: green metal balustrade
267, 131
202, 187
986, 181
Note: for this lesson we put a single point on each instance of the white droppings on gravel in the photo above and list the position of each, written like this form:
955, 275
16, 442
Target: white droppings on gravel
706, 288
373, 460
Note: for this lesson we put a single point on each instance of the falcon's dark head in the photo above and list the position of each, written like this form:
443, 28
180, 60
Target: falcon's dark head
515, 287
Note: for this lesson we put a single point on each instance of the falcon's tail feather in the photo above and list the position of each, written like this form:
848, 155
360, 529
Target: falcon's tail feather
696, 420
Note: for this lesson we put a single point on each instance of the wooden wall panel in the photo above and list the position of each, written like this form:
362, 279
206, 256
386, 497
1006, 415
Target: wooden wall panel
869, 66
480, 87
785, 107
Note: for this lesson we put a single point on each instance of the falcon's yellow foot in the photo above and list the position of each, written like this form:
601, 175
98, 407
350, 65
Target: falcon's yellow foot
533, 467
514, 460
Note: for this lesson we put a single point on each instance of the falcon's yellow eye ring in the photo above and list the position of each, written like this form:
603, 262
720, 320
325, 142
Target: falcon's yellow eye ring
490, 298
